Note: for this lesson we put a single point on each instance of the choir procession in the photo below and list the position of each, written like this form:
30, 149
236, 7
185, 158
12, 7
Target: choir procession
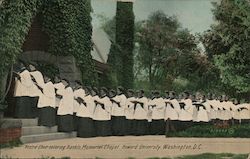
96, 112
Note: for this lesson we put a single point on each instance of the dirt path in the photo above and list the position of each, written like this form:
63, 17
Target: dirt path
129, 146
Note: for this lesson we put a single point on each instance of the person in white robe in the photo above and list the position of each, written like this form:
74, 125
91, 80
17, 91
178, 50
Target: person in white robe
227, 106
86, 127
79, 93
244, 113
171, 115
66, 108
58, 85
26, 94
46, 105
214, 105
202, 115
157, 106
141, 114
129, 112
102, 114
118, 112
186, 112
38, 79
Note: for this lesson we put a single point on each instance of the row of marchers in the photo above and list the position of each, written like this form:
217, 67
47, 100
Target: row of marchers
92, 114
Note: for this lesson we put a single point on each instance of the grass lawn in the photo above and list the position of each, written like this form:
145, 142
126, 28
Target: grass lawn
212, 131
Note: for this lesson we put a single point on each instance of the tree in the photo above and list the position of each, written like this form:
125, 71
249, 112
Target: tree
228, 43
166, 51
125, 40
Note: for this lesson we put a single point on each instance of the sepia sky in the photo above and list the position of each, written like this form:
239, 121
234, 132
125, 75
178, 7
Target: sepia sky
196, 15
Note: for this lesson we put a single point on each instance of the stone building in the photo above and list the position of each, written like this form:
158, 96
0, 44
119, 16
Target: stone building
36, 45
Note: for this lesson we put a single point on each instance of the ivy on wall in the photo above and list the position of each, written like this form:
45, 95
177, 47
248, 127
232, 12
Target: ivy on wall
68, 25
125, 40
67, 22
15, 20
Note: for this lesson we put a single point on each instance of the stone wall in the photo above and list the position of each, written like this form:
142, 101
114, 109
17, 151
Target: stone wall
10, 130
66, 64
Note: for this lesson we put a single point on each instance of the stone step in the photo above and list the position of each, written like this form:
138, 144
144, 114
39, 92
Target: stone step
46, 137
25, 122
32, 130
29, 122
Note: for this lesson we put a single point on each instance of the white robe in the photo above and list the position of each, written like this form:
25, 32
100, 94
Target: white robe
129, 110
116, 110
141, 112
202, 115
100, 113
26, 86
188, 105
176, 105
78, 93
228, 105
38, 77
66, 105
88, 110
171, 113
59, 86
245, 114
236, 114
158, 112
184, 115
47, 98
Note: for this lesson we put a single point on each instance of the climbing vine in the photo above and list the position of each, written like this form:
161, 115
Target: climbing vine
68, 25
125, 39
15, 20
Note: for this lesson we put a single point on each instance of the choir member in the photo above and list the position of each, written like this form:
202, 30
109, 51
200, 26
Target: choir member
129, 112
46, 105
65, 109
171, 114
157, 106
25, 93
118, 113
78, 93
141, 114
86, 127
38, 79
102, 114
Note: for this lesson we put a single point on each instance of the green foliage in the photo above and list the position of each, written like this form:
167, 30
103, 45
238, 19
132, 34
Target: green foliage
68, 24
15, 20
214, 156
49, 70
167, 52
228, 43
11, 144
125, 40
212, 131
